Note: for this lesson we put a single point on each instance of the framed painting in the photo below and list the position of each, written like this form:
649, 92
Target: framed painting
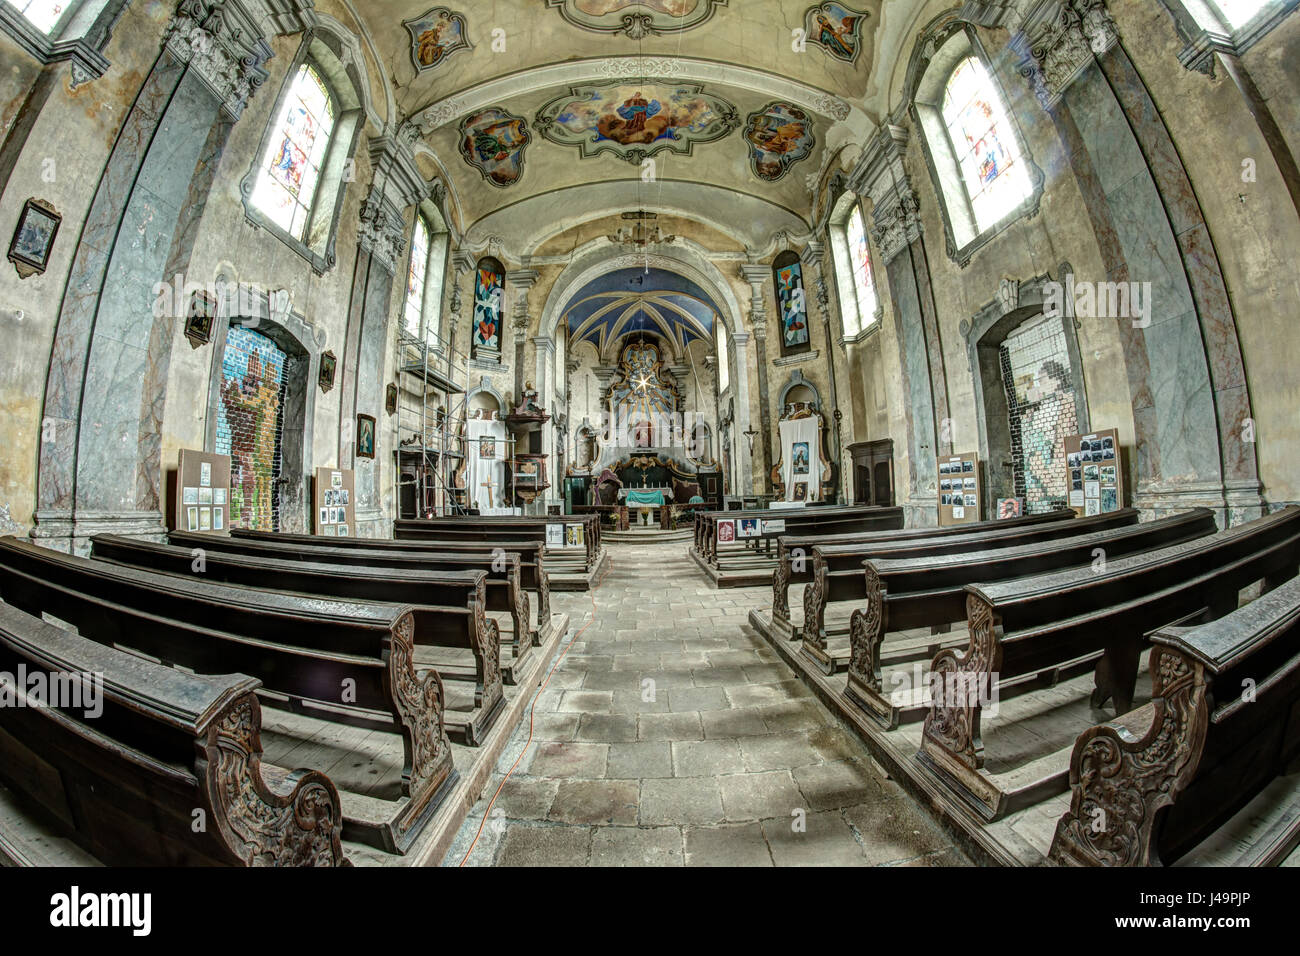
33, 240
390, 399
328, 366
365, 436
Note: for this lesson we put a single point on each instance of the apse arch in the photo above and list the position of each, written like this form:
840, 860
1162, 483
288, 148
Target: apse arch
593, 260
634, 300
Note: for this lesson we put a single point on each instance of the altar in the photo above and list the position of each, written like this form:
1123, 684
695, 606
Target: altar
646, 497
646, 500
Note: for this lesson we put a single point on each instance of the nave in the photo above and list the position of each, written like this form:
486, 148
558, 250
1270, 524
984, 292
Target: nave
731, 762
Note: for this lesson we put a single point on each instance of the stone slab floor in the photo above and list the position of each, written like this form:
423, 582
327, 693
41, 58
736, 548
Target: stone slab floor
671, 734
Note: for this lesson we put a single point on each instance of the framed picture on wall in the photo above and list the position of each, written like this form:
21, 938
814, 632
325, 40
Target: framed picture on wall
328, 365
33, 241
365, 436
390, 399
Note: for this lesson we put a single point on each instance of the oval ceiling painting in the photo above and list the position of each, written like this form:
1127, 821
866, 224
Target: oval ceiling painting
634, 121
493, 141
779, 135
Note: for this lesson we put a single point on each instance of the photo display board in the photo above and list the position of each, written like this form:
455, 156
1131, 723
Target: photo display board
334, 502
1094, 474
960, 491
202, 492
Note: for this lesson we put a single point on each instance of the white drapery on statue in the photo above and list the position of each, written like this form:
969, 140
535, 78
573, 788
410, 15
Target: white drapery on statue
801, 452
485, 473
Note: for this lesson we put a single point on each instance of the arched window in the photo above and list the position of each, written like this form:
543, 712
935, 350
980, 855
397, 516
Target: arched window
291, 166
43, 14
853, 273
416, 277
864, 284
792, 301
54, 31
561, 334
489, 299
724, 357
988, 156
983, 176
1237, 13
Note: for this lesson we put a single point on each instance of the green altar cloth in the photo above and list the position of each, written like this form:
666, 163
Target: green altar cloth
653, 499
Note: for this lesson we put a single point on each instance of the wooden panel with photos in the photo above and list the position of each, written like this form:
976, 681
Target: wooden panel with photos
334, 502
1094, 475
202, 492
960, 490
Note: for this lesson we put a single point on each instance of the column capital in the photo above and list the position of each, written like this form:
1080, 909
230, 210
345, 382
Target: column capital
1058, 40
224, 44
382, 232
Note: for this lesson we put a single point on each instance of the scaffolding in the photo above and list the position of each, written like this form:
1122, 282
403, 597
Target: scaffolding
432, 445
430, 426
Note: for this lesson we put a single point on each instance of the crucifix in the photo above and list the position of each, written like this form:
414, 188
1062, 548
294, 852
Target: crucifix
488, 486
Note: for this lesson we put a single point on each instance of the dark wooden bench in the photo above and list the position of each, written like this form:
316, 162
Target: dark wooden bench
795, 553
377, 553
346, 662
808, 521
124, 780
617, 513
448, 607
1027, 629
930, 592
706, 523
1222, 726
495, 529
837, 569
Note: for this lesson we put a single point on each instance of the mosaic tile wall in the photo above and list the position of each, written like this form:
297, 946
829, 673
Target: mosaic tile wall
250, 424
1042, 411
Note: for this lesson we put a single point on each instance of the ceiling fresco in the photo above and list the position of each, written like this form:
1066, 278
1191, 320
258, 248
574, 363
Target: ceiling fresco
529, 110
636, 120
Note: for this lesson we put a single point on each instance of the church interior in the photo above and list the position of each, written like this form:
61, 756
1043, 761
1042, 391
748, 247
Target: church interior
650, 433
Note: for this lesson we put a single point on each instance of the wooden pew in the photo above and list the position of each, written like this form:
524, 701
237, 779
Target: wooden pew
822, 520
1027, 629
283, 568
532, 563
495, 529
346, 662
837, 569
808, 521
931, 592
448, 607
124, 778
795, 552
1154, 785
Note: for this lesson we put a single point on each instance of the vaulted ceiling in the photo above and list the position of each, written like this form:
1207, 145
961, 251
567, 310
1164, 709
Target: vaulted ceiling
544, 113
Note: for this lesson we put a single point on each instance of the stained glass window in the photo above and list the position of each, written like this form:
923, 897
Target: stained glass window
860, 261
791, 298
1237, 13
291, 168
413, 316
987, 153
489, 295
42, 14
724, 368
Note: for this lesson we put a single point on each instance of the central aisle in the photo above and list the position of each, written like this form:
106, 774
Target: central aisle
671, 734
